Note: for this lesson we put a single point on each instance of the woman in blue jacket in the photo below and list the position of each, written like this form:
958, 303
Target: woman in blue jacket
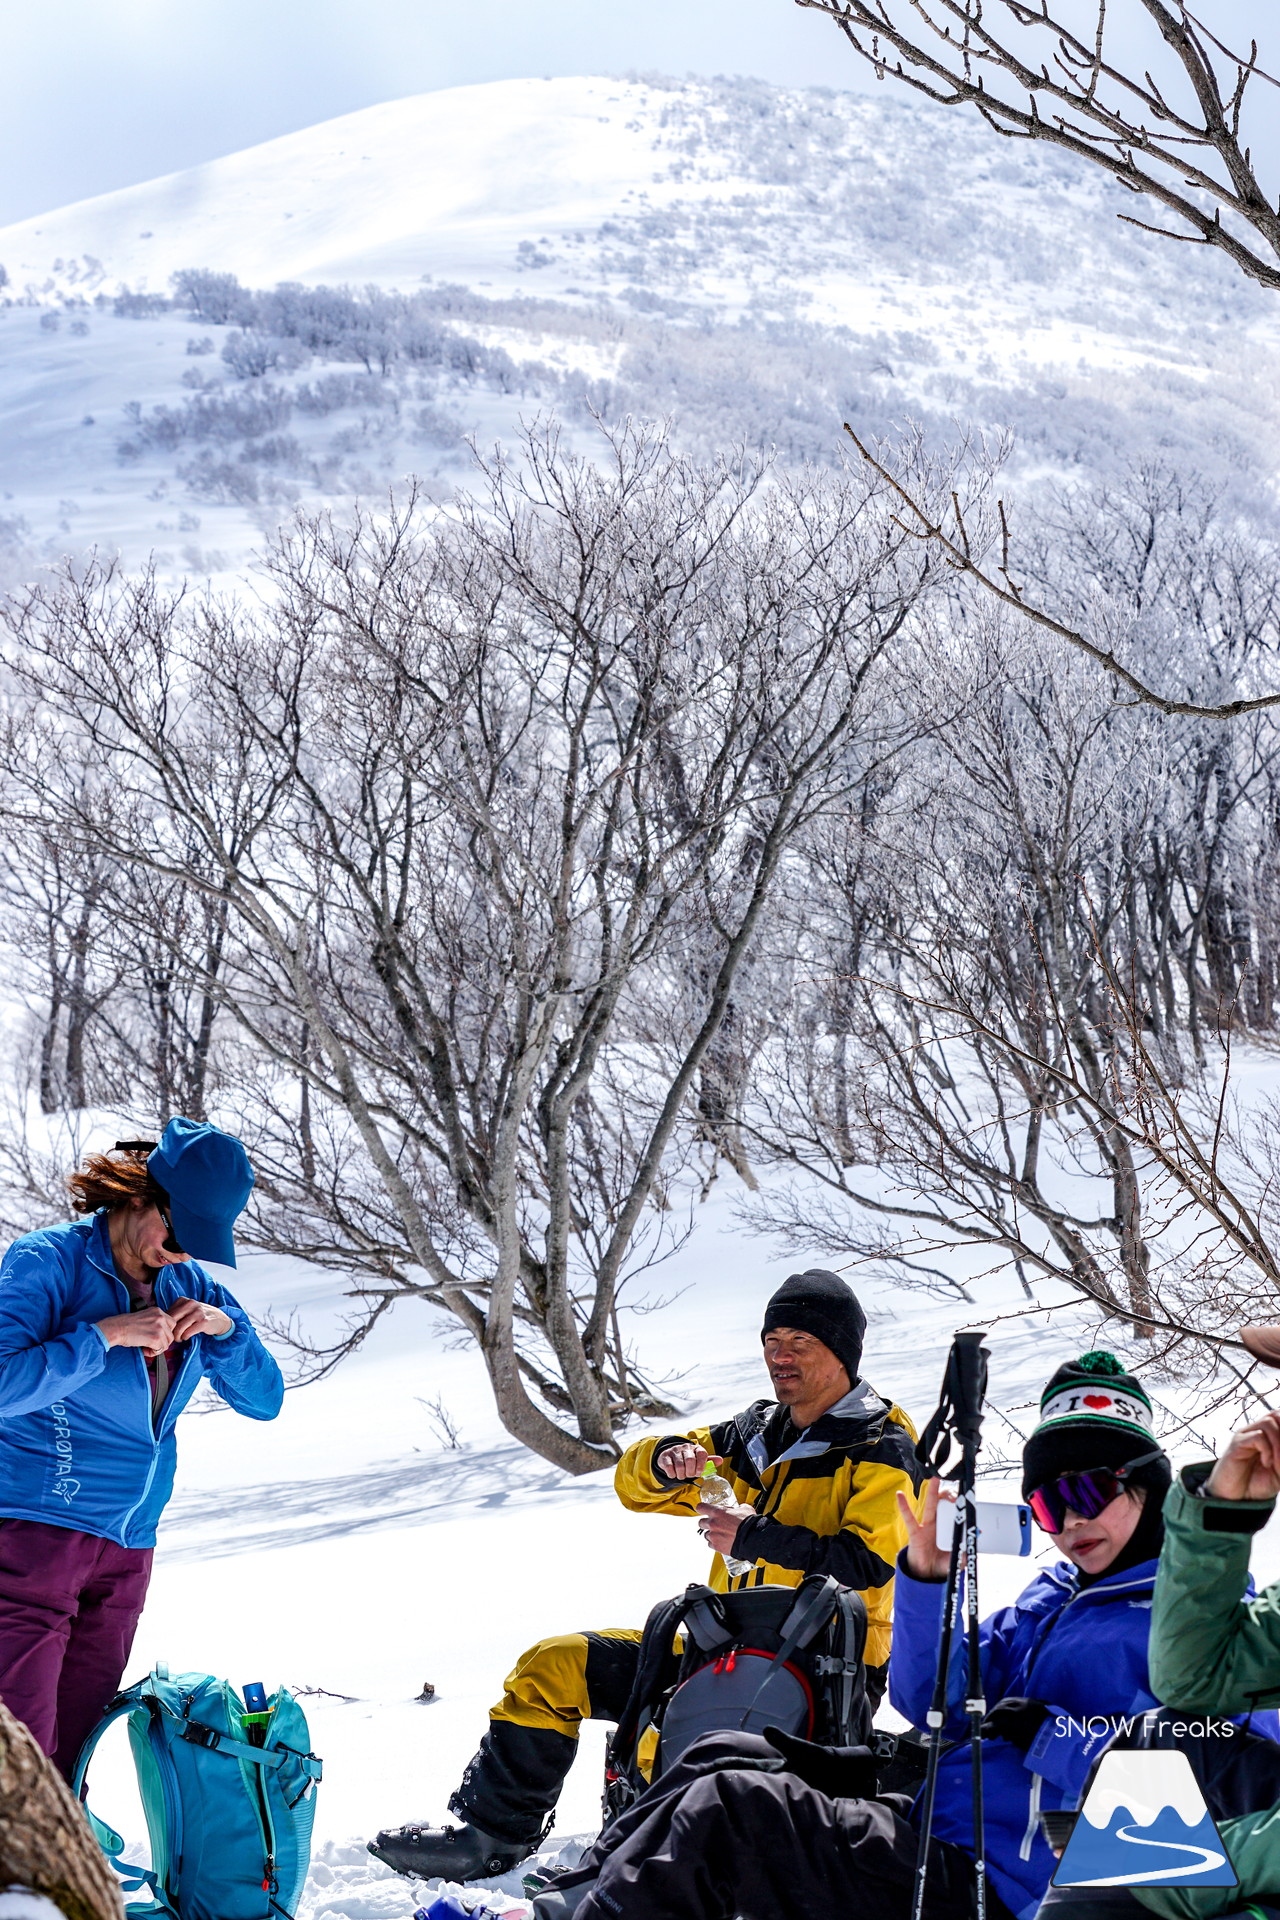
107, 1326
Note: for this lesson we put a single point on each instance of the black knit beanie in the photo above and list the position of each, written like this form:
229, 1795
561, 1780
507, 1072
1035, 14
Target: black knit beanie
824, 1305
1094, 1414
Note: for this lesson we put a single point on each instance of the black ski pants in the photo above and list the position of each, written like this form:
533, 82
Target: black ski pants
728, 1832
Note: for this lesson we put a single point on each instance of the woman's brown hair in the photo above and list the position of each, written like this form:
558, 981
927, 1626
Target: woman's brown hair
114, 1180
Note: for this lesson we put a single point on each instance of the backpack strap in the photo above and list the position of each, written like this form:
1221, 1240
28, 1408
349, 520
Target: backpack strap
656, 1659
213, 1741
851, 1611
132, 1877
116, 1710
806, 1616
704, 1618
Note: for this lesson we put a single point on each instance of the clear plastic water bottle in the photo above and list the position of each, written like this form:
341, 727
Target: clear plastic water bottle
717, 1492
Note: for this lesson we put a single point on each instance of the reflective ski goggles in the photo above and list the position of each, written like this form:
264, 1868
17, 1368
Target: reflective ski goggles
1084, 1493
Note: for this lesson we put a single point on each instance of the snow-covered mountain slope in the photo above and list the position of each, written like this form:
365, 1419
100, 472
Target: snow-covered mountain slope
761, 264
344, 1548
866, 212
447, 183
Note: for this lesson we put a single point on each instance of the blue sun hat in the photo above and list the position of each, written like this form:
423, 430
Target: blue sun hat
208, 1178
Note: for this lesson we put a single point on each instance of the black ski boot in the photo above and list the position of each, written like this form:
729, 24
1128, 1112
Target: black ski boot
449, 1853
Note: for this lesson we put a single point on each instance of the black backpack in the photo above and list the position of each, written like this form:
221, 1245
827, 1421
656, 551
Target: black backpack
758, 1657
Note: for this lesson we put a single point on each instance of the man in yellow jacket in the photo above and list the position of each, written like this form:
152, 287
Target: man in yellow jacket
816, 1472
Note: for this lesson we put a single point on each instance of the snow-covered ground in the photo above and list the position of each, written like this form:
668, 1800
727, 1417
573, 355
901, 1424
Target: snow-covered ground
344, 1548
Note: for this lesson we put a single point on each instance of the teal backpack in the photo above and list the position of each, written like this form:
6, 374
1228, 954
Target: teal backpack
229, 1820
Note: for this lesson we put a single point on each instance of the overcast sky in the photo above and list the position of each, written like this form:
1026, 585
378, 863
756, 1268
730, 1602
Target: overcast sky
96, 94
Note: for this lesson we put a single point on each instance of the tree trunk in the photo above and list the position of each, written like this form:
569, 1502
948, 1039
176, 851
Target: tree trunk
78, 1014
208, 1013
48, 1049
46, 1843
306, 1138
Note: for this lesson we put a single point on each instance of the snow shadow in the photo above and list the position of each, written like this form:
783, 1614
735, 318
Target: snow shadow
289, 1513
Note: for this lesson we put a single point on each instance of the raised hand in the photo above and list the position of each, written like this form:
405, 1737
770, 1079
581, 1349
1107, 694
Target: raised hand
684, 1460
1250, 1467
925, 1558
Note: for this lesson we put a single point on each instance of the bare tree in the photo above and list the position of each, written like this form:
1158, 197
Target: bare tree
973, 554
56, 907
1168, 122
996, 955
462, 785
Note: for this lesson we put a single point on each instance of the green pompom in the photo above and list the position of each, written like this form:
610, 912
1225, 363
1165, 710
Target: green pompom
1099, 1361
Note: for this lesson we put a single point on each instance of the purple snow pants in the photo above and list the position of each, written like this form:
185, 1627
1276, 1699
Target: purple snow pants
69, 1604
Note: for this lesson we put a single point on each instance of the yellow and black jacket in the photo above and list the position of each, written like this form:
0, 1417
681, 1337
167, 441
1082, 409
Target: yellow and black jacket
825, 1498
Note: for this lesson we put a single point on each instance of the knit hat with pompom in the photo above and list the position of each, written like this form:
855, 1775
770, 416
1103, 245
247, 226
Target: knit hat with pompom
1092, 1414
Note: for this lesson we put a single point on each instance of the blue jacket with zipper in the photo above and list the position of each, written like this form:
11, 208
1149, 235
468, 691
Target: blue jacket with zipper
78, 1444
1083, 1653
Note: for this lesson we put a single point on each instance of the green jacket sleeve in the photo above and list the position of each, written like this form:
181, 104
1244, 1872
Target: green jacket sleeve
1212, 1651
1253, 1848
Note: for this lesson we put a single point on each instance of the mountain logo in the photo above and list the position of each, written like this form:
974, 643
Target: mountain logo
1144, 1823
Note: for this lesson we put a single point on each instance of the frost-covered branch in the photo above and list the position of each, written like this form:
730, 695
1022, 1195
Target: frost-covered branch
1171, 126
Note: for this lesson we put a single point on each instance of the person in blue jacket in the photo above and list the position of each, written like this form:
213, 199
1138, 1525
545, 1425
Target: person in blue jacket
771, 1828
107, 1326
1070, 1654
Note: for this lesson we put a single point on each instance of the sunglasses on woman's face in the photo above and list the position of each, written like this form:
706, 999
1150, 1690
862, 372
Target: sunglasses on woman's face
1085, 1493
170, 1242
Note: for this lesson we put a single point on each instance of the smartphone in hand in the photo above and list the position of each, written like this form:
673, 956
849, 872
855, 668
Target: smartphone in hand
1002, 1527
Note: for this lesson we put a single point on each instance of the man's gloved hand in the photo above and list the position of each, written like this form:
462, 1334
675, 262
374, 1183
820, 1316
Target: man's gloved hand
1016, 1720
842, 1773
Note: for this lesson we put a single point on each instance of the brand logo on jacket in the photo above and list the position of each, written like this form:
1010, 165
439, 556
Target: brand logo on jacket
64, 1486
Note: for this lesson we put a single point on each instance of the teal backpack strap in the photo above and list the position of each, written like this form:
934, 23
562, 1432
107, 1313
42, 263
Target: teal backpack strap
199, 1735
122, 1704
107, 1837
132, 1877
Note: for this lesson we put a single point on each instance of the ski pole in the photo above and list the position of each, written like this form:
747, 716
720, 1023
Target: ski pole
971, 1390
958, 1419
975, 1704
937, 1718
